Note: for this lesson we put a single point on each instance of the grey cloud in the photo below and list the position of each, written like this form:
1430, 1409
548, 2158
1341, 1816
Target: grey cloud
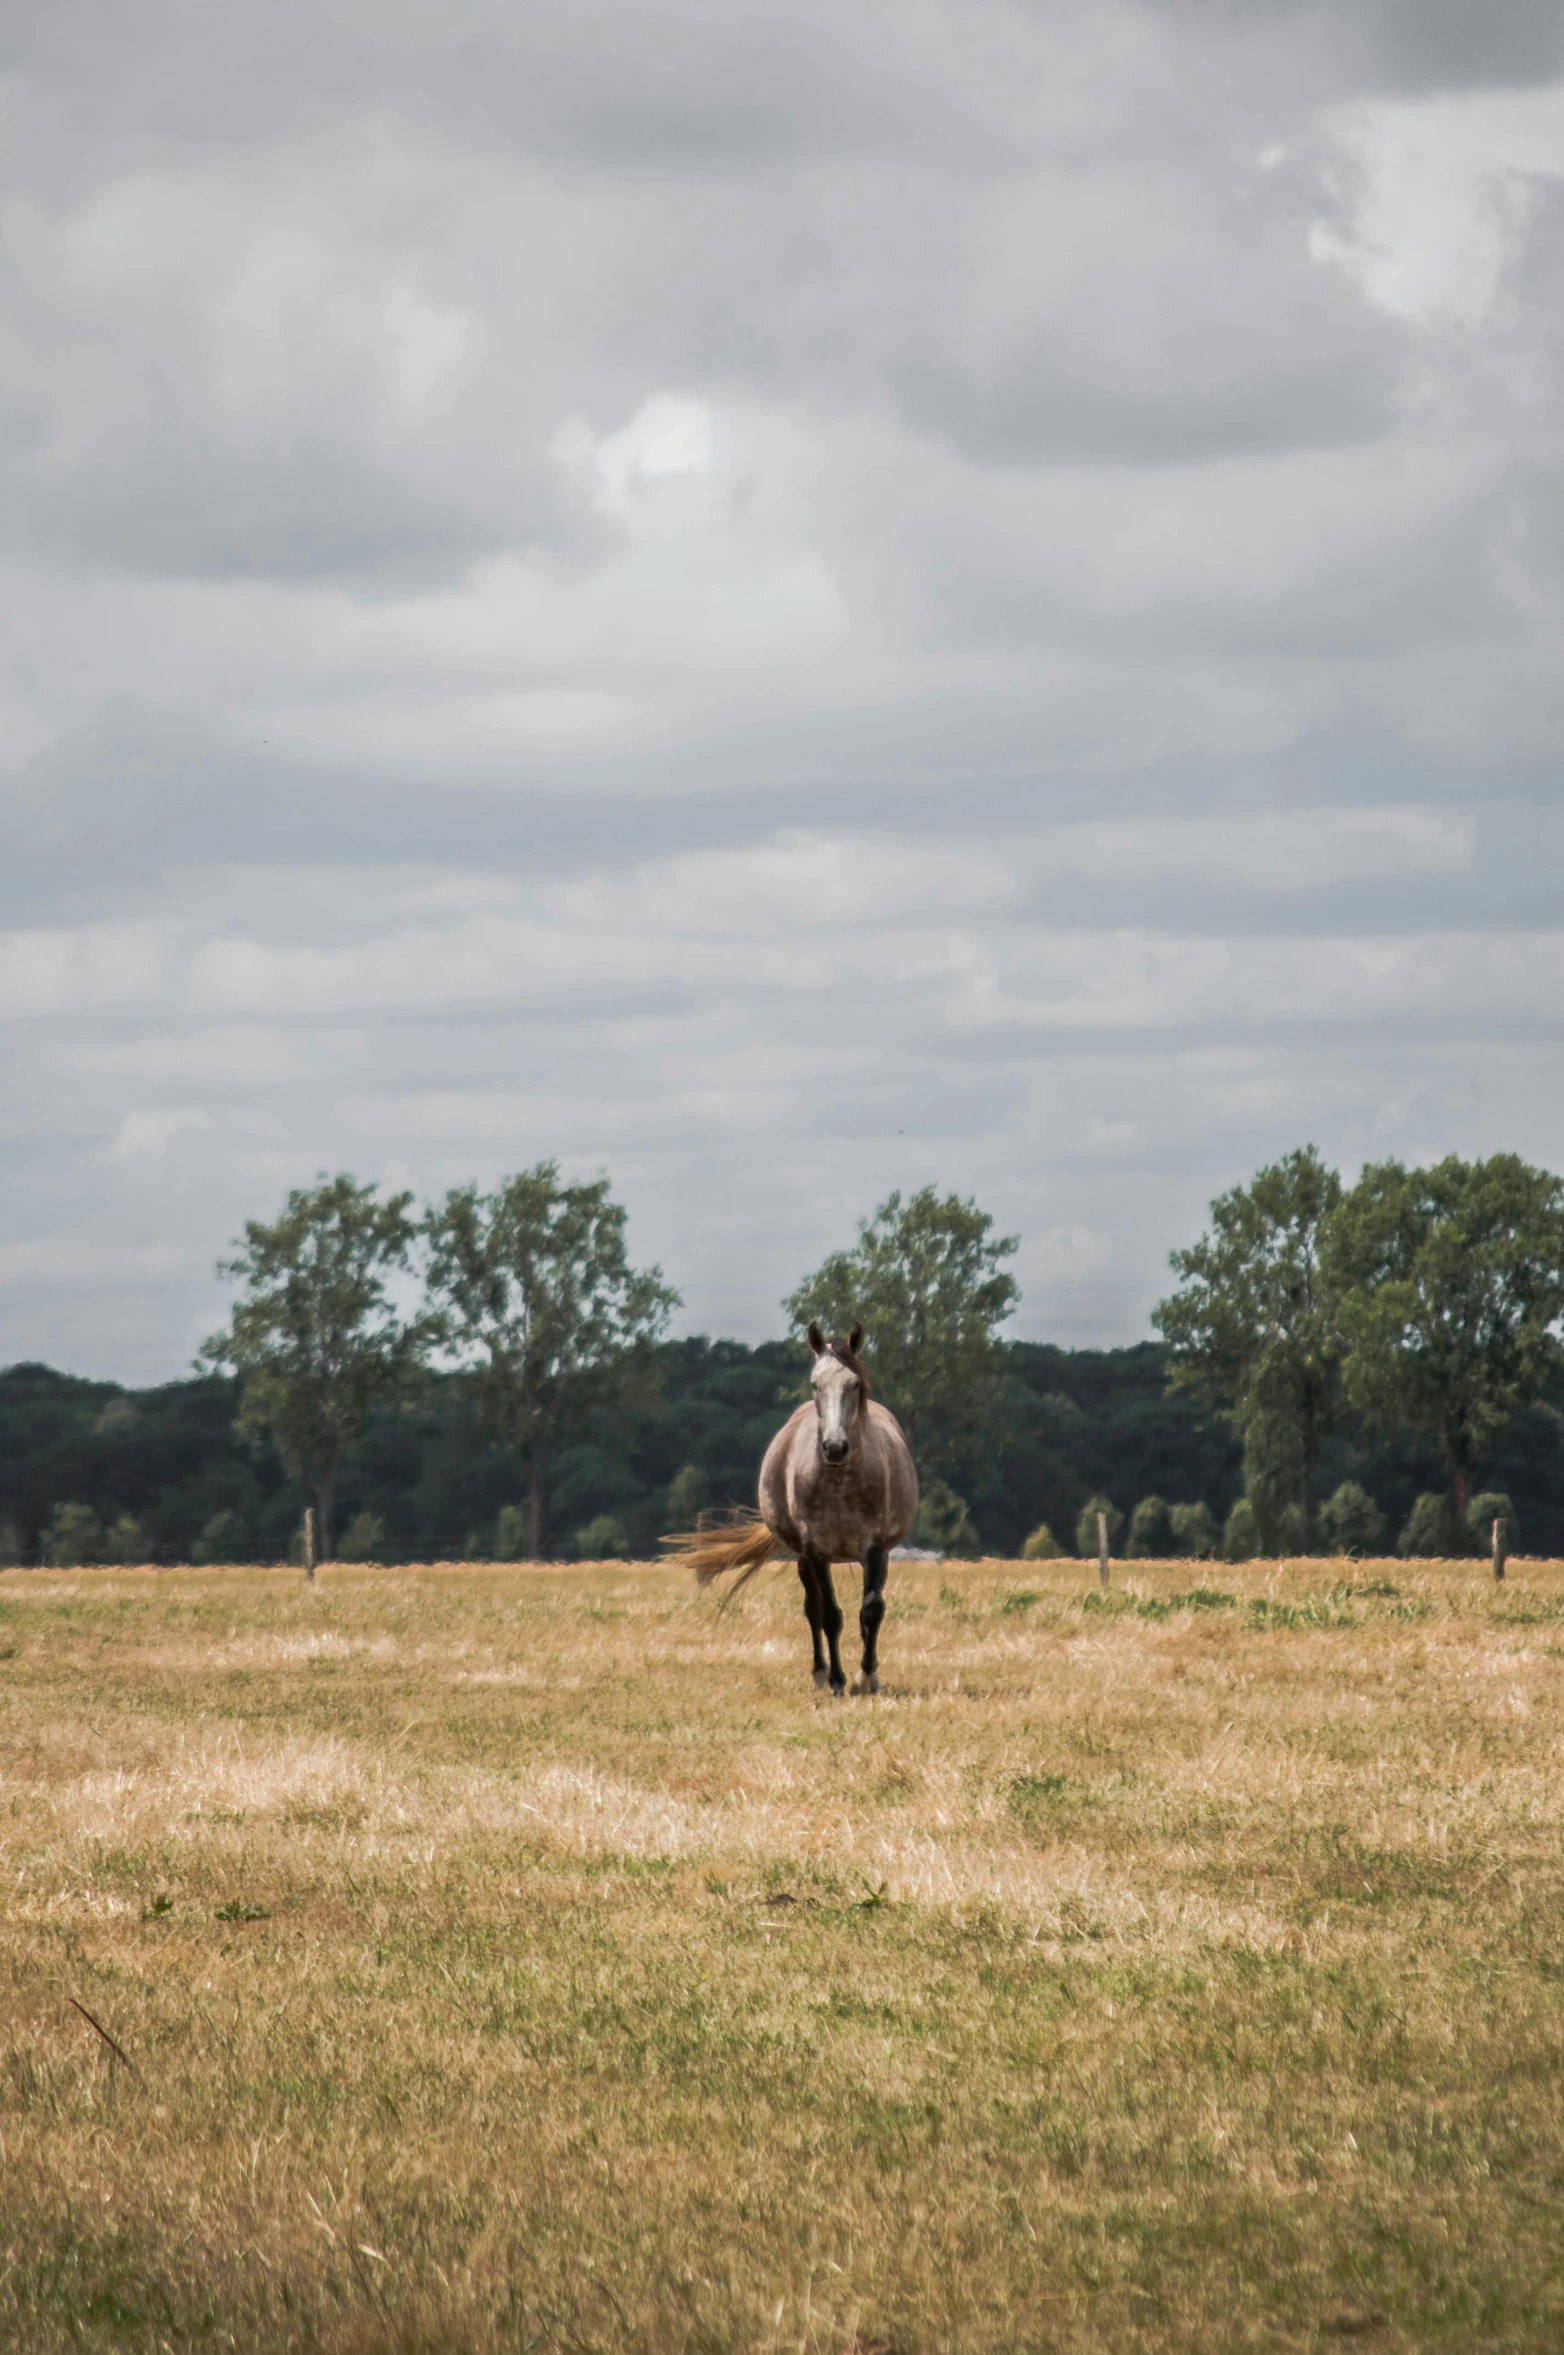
199, 512
1416, 44
597, 582
1035, 414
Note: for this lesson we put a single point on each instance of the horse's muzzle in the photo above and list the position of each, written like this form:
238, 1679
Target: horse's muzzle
834, 1450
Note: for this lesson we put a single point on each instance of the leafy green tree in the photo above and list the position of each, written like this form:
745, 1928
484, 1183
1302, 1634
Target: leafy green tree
364, 1540
1481, 1514
543, 1308
1151, 1531
944, 1523
1432, 1531
1042, 1545
602, 1540
510, 1534
74, 1537
222, 1539
1350, 1521
318, 1340
1252, 1328
689, 1492
1240, 1533
1086, 1526
1193, 1531
126, 1540
1451, 1283
925, 1281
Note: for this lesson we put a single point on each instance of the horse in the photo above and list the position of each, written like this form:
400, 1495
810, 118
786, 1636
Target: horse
837, 1484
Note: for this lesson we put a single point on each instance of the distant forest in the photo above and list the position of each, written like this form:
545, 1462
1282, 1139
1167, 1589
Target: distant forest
1075, 1423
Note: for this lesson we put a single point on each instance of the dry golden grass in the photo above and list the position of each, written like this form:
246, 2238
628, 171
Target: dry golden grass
509, 1959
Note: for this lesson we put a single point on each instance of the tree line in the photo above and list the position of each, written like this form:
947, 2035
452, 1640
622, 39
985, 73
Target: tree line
492, 1376
1417, 1301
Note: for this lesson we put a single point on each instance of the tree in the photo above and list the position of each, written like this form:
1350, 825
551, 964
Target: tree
925, 1281
1351, 1521
510, 1534
1481, 1514
74, 1536
1086, 1526
1451, 1283
1252, 1328
365, 1540
1151, 1531
944, 1524
1193, 1530
1432, 1532
602, 1540
543, 1308
317, 1340
222, 1539
1240, 1533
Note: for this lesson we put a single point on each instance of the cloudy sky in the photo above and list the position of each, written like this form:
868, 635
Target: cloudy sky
778, 601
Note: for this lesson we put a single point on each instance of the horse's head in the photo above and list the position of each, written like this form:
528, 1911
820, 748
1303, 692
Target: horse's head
841, 1389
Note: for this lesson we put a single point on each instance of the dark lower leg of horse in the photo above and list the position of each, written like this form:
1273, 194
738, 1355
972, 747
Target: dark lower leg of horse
876, 1568
831, 1622
811, 1586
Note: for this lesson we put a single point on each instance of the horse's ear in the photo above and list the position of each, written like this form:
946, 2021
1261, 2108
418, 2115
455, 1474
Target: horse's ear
855, 1339
816, 1337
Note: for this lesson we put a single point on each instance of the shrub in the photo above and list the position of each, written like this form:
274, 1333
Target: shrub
1350, 1521
689, 1492
510, 1534
1482, 1512
1086, 1525
365, 1540
222, 1540
602, 1540
1289, 1530
74, 1537
1151, 1530
126, 1541
1042, 1545
1240, 1533
1431, 1532
945, 1524
1194, 1531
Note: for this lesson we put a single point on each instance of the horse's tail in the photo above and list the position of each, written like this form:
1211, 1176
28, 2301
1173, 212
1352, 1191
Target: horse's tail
743, 1543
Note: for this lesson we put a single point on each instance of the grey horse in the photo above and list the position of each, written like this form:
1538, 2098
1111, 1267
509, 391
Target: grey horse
837, 1485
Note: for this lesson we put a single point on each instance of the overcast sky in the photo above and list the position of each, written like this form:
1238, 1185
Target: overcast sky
775, 601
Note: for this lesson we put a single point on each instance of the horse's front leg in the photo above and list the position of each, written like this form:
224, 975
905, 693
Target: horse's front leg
830, 1623
813, 1613
876, 1569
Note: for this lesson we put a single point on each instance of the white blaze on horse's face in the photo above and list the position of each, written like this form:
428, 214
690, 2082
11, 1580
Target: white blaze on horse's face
837, 1394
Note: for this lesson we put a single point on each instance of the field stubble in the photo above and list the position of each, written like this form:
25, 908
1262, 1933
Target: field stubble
491, 1958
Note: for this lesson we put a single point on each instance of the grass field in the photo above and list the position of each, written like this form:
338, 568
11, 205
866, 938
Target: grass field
504, 1958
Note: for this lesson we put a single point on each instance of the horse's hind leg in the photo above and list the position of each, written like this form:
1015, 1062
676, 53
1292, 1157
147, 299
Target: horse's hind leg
813, 1613
830, 1622
876, 1569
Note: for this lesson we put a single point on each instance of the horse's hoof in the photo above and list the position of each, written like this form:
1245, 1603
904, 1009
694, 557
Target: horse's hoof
867, 1681
822, 1680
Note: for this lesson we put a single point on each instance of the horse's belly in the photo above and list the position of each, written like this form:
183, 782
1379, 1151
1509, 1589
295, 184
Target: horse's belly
841, 1522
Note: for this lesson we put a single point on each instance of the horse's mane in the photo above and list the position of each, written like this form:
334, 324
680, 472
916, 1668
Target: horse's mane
847, 1356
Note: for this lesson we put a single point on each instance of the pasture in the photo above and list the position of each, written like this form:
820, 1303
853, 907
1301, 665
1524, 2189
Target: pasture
512, 1958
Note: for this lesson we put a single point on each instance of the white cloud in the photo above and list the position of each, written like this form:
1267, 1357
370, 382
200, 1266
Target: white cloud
151, 1133
1434, 195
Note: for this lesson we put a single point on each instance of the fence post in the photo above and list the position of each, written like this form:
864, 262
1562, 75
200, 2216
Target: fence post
309, 1545
1498, 1545
1102, 1549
